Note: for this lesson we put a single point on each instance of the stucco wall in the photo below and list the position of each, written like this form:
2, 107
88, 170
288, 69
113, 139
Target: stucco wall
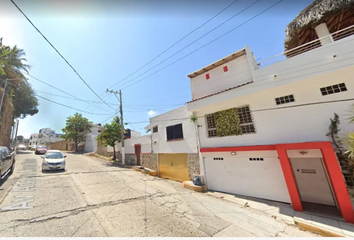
186, 145
285, 123
239, 72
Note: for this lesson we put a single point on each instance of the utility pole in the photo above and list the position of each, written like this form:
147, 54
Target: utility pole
121, 119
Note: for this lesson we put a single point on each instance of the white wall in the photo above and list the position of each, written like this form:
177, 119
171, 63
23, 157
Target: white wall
144, 141
134, 134
187, 145
239, 72
288, 125
303, 76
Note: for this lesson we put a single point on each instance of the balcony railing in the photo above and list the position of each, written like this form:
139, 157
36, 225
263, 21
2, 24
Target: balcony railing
343, 33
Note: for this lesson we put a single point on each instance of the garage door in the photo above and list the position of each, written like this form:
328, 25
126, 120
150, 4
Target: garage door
174, 166
254, 177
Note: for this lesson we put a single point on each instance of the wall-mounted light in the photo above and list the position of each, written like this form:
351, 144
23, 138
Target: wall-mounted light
275, 75
334, 56
155, 142
233, 153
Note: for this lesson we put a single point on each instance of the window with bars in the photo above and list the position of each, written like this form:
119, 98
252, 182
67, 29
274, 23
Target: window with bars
337, 88
174, 132
284, 99
155, 129
246, 122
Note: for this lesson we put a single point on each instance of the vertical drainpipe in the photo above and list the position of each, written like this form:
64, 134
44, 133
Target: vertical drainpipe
201, 158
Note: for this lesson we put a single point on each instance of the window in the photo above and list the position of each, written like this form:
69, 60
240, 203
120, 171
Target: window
155, 129
174, 132
256, 159
333, 89
218, 159
225, 69
285, 99
244, 115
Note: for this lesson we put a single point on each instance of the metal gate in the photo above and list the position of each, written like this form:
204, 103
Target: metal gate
173, 166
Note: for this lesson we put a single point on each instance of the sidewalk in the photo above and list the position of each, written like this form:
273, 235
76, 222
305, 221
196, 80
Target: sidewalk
325, 226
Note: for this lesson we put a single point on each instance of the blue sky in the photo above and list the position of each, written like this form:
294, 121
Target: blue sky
106, 41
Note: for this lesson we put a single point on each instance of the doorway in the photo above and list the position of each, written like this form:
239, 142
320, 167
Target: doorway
312, 181
137, 149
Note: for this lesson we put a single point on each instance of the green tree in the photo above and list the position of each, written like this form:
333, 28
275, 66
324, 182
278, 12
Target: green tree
76, 128
20, 138
111, 134
12, 66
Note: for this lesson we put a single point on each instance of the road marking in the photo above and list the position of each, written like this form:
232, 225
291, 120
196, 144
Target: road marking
26, 183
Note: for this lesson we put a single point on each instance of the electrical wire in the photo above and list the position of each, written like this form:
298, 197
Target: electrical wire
203, 45
259, 110
59, 53
186, 45
174, 44
69, 106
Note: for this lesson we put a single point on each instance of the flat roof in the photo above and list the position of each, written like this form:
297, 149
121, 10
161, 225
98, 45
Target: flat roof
218, 63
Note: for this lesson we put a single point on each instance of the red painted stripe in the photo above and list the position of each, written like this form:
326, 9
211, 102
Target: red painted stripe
338, 184
290, 180
240, 148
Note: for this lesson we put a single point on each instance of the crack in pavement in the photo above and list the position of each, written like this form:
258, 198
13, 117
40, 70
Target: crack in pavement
221, 230
72, 212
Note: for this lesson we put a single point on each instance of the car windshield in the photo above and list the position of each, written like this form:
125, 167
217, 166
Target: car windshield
54, 155
41, 147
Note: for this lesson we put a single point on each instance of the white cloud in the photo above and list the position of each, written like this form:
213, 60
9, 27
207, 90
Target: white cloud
151, 113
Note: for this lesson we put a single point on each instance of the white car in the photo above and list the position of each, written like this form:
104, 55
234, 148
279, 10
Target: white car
53, 160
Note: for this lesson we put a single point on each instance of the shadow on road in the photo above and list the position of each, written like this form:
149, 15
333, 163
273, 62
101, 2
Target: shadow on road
53, 171
24, 152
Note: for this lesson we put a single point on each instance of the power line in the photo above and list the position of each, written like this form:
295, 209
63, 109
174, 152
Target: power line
191, 43
261, 110
69, 106
266, 77
59, 53
172, 46
205, 44
180, 41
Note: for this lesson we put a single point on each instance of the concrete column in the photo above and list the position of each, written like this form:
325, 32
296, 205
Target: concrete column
323, 33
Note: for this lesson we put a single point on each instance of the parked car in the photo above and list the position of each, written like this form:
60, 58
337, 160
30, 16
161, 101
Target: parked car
7, 162
33, 147
41, 149
53, 160
21, 147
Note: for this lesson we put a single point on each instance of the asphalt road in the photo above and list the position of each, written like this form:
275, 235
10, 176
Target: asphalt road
95, 199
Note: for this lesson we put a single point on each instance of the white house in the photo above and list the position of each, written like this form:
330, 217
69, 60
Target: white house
263, 129
45, 136
91, 136
171, 148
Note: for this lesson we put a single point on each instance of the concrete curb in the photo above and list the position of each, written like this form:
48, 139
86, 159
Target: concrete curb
6, 192
146, 170
191, 186
311, 228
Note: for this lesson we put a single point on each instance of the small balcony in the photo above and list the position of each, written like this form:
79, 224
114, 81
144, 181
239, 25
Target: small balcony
309, 46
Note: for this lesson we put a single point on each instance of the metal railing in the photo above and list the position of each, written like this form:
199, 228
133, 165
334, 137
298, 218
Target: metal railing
343, 33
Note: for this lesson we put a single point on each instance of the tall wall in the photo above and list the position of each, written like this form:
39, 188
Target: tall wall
62, 146
5, 121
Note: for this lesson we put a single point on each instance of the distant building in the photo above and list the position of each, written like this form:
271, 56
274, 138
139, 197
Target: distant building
45, 136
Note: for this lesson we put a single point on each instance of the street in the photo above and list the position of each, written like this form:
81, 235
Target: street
95, 199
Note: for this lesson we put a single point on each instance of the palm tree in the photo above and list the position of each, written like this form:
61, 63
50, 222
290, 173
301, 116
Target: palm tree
12, 64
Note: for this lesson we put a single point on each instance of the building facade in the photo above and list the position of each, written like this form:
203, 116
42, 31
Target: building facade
262, 128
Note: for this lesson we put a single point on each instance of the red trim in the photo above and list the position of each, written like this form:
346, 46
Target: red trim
330, 161
290, 180
338, 182
241, 148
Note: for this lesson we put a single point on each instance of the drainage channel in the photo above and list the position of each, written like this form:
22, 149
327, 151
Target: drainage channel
23, 190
